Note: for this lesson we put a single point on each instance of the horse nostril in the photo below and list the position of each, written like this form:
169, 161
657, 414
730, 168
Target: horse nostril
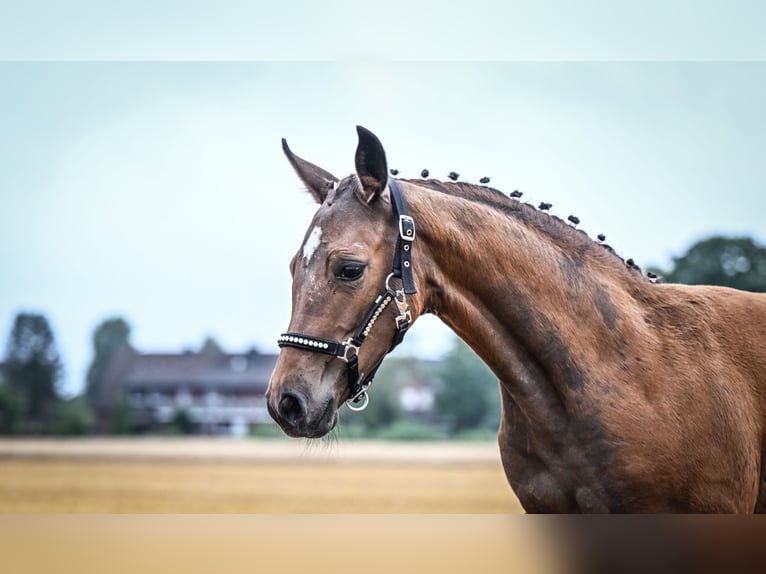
291, 408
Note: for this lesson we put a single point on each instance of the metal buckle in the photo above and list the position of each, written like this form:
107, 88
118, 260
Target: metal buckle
409, 234
404, 310
406, 316
347, 346
401, 304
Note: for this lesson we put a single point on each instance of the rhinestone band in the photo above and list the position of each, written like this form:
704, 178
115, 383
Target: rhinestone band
303, 341
377, 314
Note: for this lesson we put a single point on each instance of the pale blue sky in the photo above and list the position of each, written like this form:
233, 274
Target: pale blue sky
158, 191
425, 30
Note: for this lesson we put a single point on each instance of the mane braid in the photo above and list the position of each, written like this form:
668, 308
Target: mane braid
553, 226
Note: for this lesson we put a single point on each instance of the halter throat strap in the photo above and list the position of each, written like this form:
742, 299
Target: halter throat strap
403, 253
348, 350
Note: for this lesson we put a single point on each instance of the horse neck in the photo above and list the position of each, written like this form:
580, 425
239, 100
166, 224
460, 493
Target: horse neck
539, 305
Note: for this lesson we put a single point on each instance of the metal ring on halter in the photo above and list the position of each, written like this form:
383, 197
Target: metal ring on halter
349, 346
364, 397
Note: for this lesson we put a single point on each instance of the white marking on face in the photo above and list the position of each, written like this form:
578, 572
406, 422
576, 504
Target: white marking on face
311, 245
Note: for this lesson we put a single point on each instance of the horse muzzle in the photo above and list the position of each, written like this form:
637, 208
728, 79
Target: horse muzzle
294, 413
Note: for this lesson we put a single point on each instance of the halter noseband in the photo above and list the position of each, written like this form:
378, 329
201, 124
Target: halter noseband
348, 350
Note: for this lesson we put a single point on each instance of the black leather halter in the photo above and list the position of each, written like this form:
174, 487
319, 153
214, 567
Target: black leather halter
349, 350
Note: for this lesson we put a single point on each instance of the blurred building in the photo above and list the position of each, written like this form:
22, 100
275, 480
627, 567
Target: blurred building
209, 392
212, 392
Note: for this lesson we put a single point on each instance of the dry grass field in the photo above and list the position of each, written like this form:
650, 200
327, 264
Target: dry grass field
250, 476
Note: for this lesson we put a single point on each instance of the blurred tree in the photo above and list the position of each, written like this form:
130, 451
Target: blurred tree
11, 411
210, 345
73, 417
31, 370
108, 338
732, 262
181, 423
121, 421
469, 394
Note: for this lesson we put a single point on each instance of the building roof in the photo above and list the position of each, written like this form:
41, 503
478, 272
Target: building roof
207, 371
210, 370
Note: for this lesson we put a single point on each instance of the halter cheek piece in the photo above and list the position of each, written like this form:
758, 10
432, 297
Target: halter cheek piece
348, 350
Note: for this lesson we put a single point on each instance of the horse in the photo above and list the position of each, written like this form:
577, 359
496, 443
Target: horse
618, 393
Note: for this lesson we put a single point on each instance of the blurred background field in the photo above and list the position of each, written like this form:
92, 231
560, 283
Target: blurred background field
175, 475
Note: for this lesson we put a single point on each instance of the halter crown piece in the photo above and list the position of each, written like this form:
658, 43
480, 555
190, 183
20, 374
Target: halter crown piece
348, 350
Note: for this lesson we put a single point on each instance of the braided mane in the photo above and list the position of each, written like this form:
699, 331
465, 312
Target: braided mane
555, 227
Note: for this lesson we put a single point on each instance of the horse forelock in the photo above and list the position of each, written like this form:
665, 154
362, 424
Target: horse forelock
347, 185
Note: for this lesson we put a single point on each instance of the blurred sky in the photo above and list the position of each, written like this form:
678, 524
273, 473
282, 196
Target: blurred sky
157, 191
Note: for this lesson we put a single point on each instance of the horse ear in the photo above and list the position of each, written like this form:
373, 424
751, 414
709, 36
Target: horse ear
370, 165
317, 181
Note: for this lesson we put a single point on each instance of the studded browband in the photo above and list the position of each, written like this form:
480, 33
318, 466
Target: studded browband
348, 350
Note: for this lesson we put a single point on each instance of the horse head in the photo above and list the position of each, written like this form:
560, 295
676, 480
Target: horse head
342, 293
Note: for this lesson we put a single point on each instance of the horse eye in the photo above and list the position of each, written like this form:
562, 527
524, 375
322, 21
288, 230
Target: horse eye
349, 272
